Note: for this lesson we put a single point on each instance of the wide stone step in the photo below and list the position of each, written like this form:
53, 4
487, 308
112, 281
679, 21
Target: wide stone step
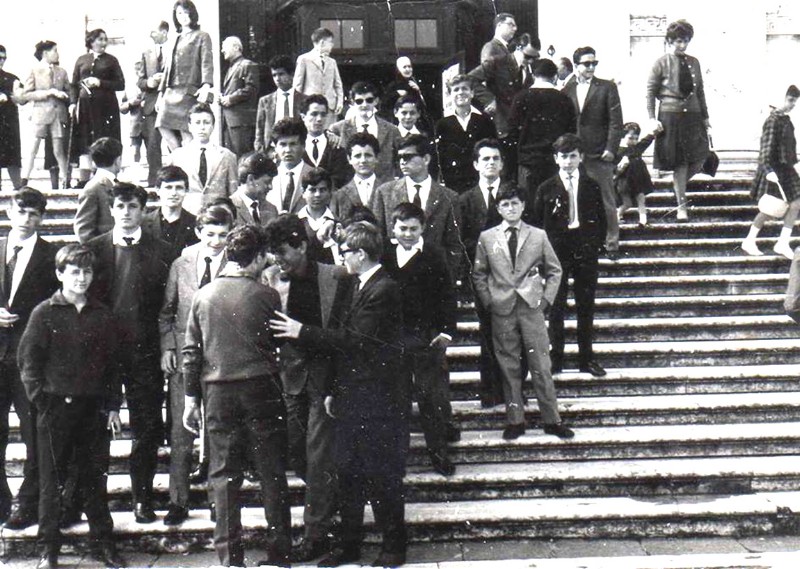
707, 247
730, 193
705, 265
707, 213
687, 285
668, 228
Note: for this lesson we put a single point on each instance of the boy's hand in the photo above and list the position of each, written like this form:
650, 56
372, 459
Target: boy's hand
169, 361
114, 424
7, 320
191, 415
328, 403
440, 341
285, 326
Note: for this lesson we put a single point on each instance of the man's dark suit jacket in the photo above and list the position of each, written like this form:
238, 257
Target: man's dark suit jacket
184, 236
539, 116
498, 81
600, 121
388, 139
429, 300
454, 146
38, 283
334, 160
475, 217
241, 86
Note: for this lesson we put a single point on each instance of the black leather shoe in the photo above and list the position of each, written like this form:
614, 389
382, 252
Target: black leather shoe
594, 368
48, 561
109, 557
309, 549
200, 474
143, 513
613, 255
340, 555
453, 434
175, 515
212, 512
442, 465
386, 559
69, 517
560, 430
512, 432
21, 518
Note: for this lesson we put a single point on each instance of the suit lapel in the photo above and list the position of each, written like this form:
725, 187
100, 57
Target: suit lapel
327, 291
38, 256
3, 287
231, 71
524, 233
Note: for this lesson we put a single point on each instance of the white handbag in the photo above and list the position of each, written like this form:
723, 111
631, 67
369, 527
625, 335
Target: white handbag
772, 206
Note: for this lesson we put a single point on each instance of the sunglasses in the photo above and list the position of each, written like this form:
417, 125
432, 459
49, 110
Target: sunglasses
362, 100
406, 157
594, 63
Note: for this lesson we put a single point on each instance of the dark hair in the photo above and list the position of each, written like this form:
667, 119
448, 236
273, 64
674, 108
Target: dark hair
223, 201
3, 48
502, 17
282, 61
163, 26
406, 100
286, 228
313, 176
679, 29
526, 40
581, 51
406, 210
360, 213
256, 164
92, 35
792, 91
567, 143
565, 61
310, 100
189, 6
363, 139
41, 47
104, 151
486, 143
366, 236
30, 197
202, 108
126, 192
364, 87
632, 126
460, 78
509, 192
75, 254
172, 174
321, 34
214, 215
245, 243
422, 144
291, 126
545, 68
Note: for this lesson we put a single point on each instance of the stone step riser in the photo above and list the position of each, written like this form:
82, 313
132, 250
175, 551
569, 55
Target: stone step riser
678, 310
717, 289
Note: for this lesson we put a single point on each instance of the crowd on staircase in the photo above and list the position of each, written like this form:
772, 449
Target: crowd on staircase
296, 287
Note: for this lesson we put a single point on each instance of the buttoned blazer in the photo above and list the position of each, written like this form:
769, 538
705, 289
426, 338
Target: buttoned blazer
45, 106
191, 65
37, 284
182, 283
388, 137
310, 78
223, 174
93, 216
244, 215
241, 87
334, 160
534, 277
149, 68
600, 121
298, 202
265, 116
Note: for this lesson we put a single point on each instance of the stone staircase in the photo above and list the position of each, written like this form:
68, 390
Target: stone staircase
694, 432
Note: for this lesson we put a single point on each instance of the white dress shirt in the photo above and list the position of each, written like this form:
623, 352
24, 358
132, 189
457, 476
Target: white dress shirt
283, 178
372, 125
404, 132
582, 89
424, 191
565, 179
118, 236
316, 225
280, 97
404, 255
365, 276
23, 258
484, 184
322, 144
365, 187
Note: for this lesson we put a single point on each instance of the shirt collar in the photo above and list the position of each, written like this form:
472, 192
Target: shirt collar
542, 84
105, 174
58, 299
364, 277
371, 180
247, 200
405, 132
575, 177
484, 184
582, 81
28, 243
426, 184
504, 225
296, 170
415, 247
117, 236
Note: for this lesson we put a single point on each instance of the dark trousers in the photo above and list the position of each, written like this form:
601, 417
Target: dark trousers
432, 392
581, 264
12, 391
311, 432
491, 374
371, 457
68, 428
238, 139
181, 445
152, 140
248, 416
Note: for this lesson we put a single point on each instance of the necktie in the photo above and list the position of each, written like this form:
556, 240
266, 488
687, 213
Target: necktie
417, 199
492, 215
128, 241
365, 128
512, 245
11, 265
206, 278
256, 215
315, 151
288, 193
286, 112
160, 59
492, 201
573, 203
202, 171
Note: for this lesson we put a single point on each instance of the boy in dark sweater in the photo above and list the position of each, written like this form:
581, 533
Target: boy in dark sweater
68, 357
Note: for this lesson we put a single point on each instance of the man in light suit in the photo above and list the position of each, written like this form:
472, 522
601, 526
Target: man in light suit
148, 82
362, 154
289, 139
256, 172
311, 293
511, 261
211, 168
600, 128
505, 26
28, 278
239, 99
365, 98
283, 103
93, 216
322, 149
316, 72
439, 203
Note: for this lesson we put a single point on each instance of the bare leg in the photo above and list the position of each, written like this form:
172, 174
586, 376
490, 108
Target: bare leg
61, 158
642, 209
32, 157
782, 246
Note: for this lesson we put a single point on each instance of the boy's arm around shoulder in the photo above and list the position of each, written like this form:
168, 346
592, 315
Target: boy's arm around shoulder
33, 350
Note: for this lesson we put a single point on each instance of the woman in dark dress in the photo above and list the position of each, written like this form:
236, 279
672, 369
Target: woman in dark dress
677, 82
777, 164
96, 77
10, 149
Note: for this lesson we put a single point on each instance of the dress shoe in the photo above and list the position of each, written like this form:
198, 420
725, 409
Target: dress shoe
69, 517
453, 434
560, 430
143, 513
108, 556
48, 561
683, 213
442, 465
613, 255
512, 432
200, 474
593, 368
309, 549
784, 249
387, 559
21, 518
175, 515
749, 246
340, 556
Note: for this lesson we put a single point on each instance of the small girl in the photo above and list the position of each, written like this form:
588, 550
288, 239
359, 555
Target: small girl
631, 178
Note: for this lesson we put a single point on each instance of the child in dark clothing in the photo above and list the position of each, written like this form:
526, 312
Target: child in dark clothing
631, 178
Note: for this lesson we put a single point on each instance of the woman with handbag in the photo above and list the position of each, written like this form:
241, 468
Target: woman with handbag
777, 184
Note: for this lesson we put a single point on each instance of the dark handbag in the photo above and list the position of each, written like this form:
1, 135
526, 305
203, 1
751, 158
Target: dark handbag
712, 161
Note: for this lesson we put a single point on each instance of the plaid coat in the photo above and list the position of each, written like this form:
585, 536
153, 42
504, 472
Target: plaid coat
778, 154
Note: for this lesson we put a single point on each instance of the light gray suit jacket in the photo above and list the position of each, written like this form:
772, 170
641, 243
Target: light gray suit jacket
45, 107
244, 215
310, 78
388, 137
265, 117
93, 216
223, 174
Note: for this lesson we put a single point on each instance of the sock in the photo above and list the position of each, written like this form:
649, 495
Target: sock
786, 233
753, 233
